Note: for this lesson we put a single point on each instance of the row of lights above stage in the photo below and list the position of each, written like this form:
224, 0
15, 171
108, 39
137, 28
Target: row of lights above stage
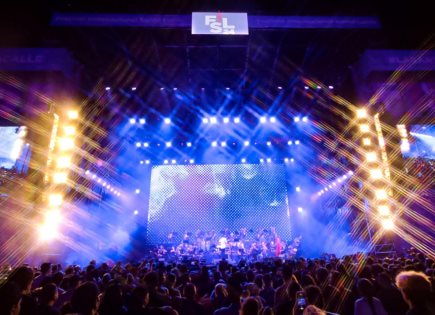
335, 183
103, 183
241, 161
225, 120
279, 87
246, 143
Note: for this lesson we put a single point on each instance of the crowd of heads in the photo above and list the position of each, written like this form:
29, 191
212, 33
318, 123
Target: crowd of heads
359, 284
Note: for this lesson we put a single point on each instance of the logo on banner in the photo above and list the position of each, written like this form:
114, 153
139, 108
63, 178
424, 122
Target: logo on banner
219, 24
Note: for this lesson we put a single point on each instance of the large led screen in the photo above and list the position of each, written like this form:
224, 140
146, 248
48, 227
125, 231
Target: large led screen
188, 198
422, 142
11, 141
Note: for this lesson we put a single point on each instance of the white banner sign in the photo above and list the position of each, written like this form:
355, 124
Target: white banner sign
220, 23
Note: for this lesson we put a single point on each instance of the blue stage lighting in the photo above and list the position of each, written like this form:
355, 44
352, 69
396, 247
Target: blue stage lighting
226, 120
279, 87
167, 121
141, 162
290, 142
272, 120
326, 189
168, 144
191, 161
205, 120
236, 120
227, 88
175, 88
132, 121
243, 160
286, 160
189, 144
298, 189
263, 120
174, 161
305, 119
246, 143
107, 88
142, 121
261, 160
223, 144
292, 160
269, 143
146, 144
214, 144
297, 142
330, 186
138, 144
87, 172
297, 119
269, 160
135, 212
300, 209
213, 120
350, 173
137, 191
108, 186
94, 176
162, 88
147, 162
344, 176
165, 162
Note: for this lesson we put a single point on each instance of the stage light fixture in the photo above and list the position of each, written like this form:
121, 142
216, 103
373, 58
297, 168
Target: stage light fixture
59, 178
331, 87
298, 189
107, 88
63, 162
223, 144
191, 161
205, 120
133, 88
227, 88
87, 172
300, 209
376, 173
269, 160
70, 130
366, 142
361, 113
174, 161
189, 144
55, 200
214, 144
213, 120
263, 119
387, 224
236, 120
135, 212
292, 160
167, 121
279, 87
168, 144
246, 143
132, 121
297, 119
243, 160
326, 189
290, 142
73, 114
306, 87
147, 161
334, 184
162, 88
146, 144
66, 144
138, 144
141, 162
350, 173
297, 142
319, 87
137, 191
305, 119
371, 156
142, 121
269, 143
165, 161
175, 88
286, 160
384, 210
381, 194
226, 120
330, 186
364, 128
108, 186
272, 120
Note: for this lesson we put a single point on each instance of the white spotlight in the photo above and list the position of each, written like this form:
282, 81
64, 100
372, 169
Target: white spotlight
263, 119
107, 88
189, 144
305, 119
87, 172
137, 191
213, 120
243, 160
290, 142
236, 120
132, 121
269, 143
319, 87
331, 87
147, 162
286, 160
174, 161
227, 88
191, 161
133, 88
387, 224
214, 144
279, 87
205, 120
135, 212
168, 144
223, 144
142, 121
350, 173
292, 160
306, 87
162, 88
146, 144
300, 210
175, 88
272, 120
138, 144
246, 143
361, 113
376, 173
297, 142
141, 162
165, 162
226, 120
297, 119
167, 121
298, 189
261, 160
269, 160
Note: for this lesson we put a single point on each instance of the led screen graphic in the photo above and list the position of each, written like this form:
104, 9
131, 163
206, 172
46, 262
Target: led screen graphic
422, 142
10, 145
215, 197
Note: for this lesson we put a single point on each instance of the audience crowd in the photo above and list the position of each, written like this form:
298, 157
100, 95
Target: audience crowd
358, 284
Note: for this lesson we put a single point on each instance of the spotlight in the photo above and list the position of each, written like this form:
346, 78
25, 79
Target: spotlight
174, 161
132, 121
191, 161
141, 162
66, 144
290, 142
135, 212
168, 144
104, 184
297, 142
165, 161
138, 144
142, 121
261, 160
227, 88
133, 88
364, 128
381, 194
243, 160
331, 87
269, 160
371, 156
175, 88
297, 119
326, 189
213, 120
300, 210
305, 119
366, 141
70, 130
87, 172
214, 144
319, 87
107, 88
205, 120
236, 120
59, 178
269, 143
344, 176
384, 210
226, 120
167, 121
272, 120
263, 119
298, 189
73, 114
223, 144
361, 113
387, 224
137, 191
146, 144
350, 173
162, 88
292, 160
55, 200
376, 173
94, 176
279, 87
286, 160
246, 143
330, 186
147, 162
334, 184
306, 87
189, 144
63, 162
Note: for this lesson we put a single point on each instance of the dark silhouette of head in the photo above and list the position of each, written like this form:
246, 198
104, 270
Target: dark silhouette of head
85, 299
10, 298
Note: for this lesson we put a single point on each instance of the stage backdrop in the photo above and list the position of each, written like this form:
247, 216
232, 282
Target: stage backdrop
215, 197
